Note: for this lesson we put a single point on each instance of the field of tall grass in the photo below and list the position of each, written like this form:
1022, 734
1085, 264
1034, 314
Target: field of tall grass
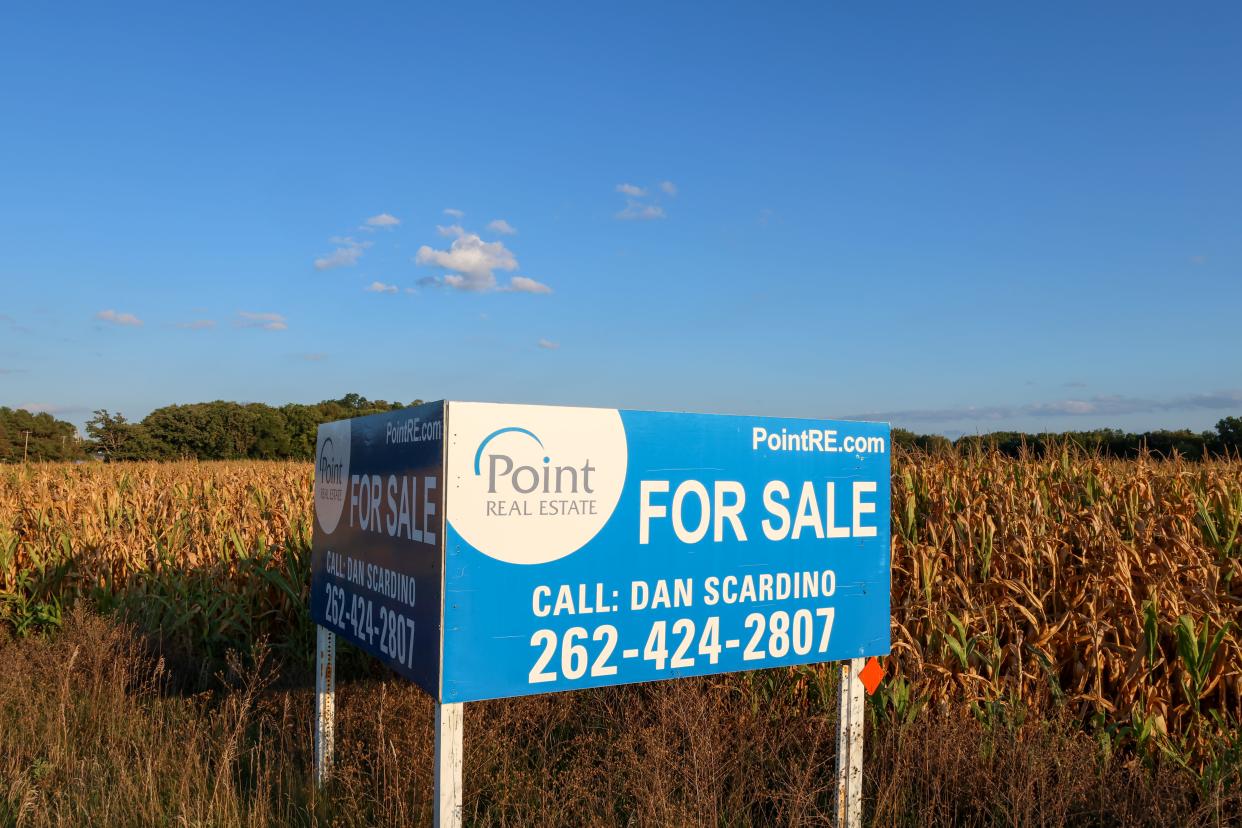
1066, 649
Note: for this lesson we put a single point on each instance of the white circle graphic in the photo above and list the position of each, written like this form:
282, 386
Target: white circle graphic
331, 473
532, 483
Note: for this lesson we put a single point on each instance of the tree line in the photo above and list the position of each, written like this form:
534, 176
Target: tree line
217, 430
224, 430
1111, 442
25, 434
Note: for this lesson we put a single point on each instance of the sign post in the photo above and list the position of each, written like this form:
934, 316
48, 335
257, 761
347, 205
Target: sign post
850, 745
325, 702
486, 551
448, 765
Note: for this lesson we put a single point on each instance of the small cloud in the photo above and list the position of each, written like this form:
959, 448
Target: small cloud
11, 323
383, 220
380, 287
411, 290
631, 190
765, 216
5, 371
315, 357
266, 321
1073, 384
119, 318
457, 214
50, 408
472, 260
637, 211
548, 345
197, 325
1101, 406
669, 188
1198, 260
502, 227
472, 263
520, 284
348, 253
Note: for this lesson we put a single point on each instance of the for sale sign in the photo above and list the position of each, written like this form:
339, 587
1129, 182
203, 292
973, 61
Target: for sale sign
377, 566
552, 548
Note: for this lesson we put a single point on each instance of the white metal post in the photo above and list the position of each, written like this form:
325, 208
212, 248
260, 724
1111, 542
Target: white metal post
449, 727
325, 702
850, 746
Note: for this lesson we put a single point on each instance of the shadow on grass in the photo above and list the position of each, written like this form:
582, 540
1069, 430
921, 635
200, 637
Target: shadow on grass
90, 735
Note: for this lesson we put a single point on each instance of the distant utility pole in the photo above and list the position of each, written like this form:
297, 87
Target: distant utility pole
26, 448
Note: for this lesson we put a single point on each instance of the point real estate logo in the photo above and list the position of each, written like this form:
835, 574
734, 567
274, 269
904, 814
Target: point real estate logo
331, 473
539, 483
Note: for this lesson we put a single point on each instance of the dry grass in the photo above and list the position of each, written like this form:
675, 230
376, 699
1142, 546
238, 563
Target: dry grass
91, 735
1066, 649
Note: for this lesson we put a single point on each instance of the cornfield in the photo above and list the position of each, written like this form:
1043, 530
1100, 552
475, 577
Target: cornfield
1112, 589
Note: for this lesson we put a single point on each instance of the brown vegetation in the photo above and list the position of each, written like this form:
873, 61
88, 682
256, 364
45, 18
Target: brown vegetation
91, 735
1065, 649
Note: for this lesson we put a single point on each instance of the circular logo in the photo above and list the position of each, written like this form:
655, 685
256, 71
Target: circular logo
534, 483
331, 473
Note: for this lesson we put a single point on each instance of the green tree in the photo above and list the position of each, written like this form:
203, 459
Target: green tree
1229, 434
116, 438
36, 437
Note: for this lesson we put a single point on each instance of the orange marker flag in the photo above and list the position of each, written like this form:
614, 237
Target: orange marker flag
871, 674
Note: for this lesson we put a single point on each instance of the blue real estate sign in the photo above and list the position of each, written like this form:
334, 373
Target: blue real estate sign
573, 547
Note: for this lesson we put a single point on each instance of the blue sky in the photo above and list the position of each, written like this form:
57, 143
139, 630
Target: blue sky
956, 217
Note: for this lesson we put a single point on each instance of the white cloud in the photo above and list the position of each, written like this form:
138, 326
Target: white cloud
639, 206
119, 318
637, 211
1112, 405
11, 324
380, 287
49, 408
472, 263
520, 284
548, 345
383, 220
266, 321
197, 324
348, 253
471, 260
449, 211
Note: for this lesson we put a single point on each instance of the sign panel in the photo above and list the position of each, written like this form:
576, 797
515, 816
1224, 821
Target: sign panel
377, 565
588, 547
488, 550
